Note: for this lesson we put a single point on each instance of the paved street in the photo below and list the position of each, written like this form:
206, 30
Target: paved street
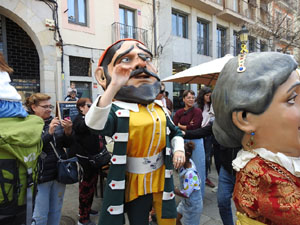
210, 214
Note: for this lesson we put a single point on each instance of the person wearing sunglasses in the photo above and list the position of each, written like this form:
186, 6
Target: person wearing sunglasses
56, 134
86, 144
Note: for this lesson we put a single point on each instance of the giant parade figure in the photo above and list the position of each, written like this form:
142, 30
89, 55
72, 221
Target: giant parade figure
145, 139
257, 105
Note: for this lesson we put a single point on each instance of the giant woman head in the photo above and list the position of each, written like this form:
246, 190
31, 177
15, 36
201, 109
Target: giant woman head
262, 101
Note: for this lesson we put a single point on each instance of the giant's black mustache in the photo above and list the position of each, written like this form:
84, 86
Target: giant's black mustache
143, 70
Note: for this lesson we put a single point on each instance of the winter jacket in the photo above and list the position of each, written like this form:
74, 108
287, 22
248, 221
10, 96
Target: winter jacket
227, 155
48, 158
85, 142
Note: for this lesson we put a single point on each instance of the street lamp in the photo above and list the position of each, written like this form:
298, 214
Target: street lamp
243, 35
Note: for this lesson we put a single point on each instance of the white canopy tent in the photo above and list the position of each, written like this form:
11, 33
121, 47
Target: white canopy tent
205, 73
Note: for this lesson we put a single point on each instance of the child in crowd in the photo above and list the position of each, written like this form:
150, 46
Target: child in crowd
10, 99
190, 208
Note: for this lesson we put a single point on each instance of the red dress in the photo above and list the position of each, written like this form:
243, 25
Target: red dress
268, 193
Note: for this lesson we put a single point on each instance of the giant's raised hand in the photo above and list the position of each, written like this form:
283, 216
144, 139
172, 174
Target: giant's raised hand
120, 75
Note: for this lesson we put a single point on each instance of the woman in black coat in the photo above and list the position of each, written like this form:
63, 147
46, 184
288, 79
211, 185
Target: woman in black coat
57, 134
86, 144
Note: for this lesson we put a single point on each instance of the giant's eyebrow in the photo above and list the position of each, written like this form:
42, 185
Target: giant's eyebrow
144, 49
122, 54
293, 86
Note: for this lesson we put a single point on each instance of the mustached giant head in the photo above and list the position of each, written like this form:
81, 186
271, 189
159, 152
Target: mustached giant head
144, 84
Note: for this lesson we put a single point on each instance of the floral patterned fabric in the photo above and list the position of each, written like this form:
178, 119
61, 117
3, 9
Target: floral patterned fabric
268, 193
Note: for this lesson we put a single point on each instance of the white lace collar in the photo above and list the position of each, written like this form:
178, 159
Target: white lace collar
292, 164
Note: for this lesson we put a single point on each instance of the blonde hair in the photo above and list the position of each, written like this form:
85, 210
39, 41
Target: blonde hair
35, 99
4, 66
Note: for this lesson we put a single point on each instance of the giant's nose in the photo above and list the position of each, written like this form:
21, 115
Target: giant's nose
140, 61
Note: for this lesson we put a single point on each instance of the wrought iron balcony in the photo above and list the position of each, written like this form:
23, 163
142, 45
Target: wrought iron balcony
120, 31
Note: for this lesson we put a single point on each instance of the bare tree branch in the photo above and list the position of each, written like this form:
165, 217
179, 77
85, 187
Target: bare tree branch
277, 25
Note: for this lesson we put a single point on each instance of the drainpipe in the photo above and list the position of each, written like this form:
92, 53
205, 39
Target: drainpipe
154, 26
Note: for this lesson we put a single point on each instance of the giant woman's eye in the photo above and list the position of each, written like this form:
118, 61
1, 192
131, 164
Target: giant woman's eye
291, 99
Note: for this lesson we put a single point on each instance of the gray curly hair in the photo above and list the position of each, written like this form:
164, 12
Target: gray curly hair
249, 91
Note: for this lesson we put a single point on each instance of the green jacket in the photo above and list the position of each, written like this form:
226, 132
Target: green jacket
20, 146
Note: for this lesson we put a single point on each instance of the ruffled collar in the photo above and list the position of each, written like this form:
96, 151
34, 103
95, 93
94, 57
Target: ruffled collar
292, 164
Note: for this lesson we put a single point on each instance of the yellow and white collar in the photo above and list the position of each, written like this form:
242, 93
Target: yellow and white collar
133, 106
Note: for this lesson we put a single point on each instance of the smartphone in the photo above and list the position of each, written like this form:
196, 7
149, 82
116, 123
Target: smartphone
66, 113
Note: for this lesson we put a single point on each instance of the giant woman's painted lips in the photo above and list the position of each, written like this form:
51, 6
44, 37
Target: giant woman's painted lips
145, 93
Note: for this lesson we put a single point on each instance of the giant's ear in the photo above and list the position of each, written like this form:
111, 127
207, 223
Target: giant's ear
100, 77
244, 121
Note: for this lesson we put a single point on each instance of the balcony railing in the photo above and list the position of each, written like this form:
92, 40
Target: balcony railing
120, 31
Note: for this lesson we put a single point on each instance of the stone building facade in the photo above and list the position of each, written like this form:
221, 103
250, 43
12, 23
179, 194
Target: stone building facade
51, 43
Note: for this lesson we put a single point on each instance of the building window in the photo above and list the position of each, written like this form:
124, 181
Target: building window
221, 41
278, 18
288, 28
263, 46
26, 63
252, 44
79, 66
235, 5
127, 23
179, 24
178, 88
1, 36
202, 37
83, 89
3, 47
77, 10
236, 43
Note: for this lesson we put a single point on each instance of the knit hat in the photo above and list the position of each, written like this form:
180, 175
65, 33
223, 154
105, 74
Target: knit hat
10, 100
